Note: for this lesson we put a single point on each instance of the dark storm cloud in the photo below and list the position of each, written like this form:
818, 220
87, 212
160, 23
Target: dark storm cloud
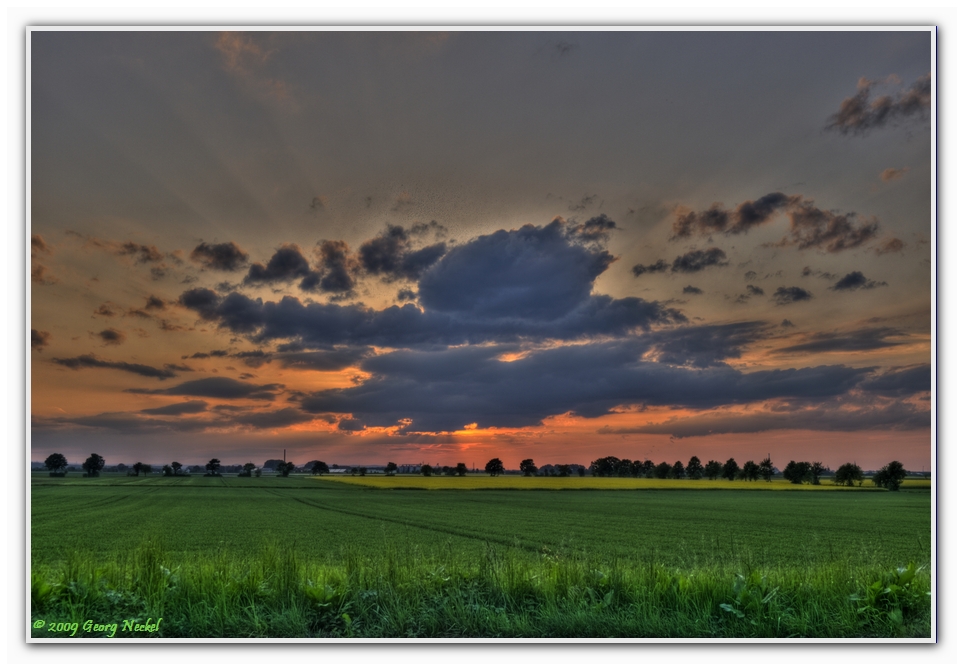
704, 345
534, 282
225, 257
856, 281
39, 339
287, 264
446, 390
858, 115
696, 261
336, 266
92, 361
392, 256
219, 387
325, 361
787, 295
866, 339
744, 217
350, 425
657, 266
692, 290
531, 273
823, 417
112, 337
268, 420
811, 227
406, 295
179, 409
900, 381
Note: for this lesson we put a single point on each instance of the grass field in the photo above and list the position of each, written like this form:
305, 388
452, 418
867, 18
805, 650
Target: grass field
304, 556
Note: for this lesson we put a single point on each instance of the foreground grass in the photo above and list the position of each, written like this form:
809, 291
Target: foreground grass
495, 592
304, 557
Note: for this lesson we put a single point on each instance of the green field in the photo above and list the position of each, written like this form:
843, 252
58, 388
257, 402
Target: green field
304, 556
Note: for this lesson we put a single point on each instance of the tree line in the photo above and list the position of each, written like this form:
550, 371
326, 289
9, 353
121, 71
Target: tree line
889, 477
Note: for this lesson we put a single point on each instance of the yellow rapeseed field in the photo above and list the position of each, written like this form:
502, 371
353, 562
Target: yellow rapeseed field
484, 482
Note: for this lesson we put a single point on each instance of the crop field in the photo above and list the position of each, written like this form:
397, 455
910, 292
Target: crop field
317, 557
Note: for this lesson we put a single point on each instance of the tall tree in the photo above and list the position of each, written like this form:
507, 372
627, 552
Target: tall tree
461, 469
678, 470
213, 466
528, 468
494, 467
890, 476
751, 470
848, 474
730, 469
766, 469
56, 463
694, 470
93, 465
176, 466
817, 470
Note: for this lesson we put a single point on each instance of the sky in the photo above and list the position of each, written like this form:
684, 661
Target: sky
365, 247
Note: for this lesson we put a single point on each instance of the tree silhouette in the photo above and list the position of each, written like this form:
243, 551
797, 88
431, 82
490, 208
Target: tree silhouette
528, 468
461, 469
796, 472
56, 463
176, 466
694, 470
730, 469
678, 470
93, 465
494, 467
391, 469
890, 476
766, 469
751, 471
212, 467
817, 470
848, 474
713, 469
662, 470
426, 470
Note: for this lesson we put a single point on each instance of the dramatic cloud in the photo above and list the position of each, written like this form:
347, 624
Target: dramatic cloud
392, 256
704, 345
594, 230
858, 114
219, 387
791, 294
892, 174
287, 264
179, 409
744, 217
325, 361
92, 361
446, 390
866, 339
658, 266
855, 281
226, 257
696, 261
811, 227
39, 339
337, 268
112, 337
825, 416
900, 381
533, 273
